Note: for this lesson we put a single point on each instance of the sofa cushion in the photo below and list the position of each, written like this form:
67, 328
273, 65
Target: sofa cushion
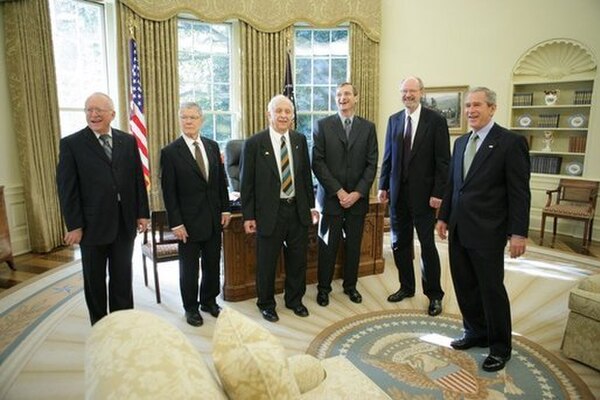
135, 354
307, 370
250, 361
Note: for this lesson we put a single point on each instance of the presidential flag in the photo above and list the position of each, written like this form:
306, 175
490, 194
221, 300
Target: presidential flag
137, 121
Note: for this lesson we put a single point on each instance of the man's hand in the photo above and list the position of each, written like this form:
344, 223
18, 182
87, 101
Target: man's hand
181, 233
517, 246
250, 226
73, 237
434, 202
382, 196
142, 224
442, 229
315, 216
225, 218
350, 199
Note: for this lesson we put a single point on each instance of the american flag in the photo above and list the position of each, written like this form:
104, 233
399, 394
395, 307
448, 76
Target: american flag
137, 121
288, 85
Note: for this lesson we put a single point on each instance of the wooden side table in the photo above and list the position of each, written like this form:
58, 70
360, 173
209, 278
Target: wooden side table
5, 247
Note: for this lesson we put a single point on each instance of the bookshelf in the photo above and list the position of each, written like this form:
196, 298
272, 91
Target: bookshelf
555, 126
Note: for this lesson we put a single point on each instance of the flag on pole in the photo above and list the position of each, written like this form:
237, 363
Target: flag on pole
288, 85
137, 121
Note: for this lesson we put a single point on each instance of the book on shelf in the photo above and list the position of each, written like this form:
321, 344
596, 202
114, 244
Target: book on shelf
582, 97
522, 99
548, 120
546, 164
577, 144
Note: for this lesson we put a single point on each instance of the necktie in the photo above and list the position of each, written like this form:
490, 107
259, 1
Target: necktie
287, 186
200, 160
105, 139
406, 146
469, 154
347, 127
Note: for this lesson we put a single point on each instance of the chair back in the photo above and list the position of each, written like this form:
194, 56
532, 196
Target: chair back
233, 152
578, 191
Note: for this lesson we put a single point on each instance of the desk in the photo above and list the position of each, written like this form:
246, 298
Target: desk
239, 255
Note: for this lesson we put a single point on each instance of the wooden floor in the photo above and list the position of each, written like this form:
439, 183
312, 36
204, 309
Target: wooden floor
31, 264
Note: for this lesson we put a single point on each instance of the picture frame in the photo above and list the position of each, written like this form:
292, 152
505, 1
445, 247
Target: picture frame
448, 101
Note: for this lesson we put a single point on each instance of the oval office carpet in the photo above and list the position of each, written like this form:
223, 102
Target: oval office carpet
44, 325
408, 354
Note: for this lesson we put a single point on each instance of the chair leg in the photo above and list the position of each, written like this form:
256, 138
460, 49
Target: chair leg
156, 284
586, 230
145, 271
542, 229
554, 231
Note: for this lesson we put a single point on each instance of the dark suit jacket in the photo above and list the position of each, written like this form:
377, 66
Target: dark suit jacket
261, 183
189, 199
493, 200
89, 185
340, 163
428, 162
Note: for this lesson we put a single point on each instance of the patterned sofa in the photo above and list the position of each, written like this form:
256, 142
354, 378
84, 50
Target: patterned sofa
134, 354
581, 341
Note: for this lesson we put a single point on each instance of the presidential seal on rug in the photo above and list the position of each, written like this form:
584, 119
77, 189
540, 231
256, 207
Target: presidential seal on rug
408, 354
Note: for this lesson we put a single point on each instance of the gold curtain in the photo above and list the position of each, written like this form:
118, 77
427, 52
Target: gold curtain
157, 55
364, 72
34, 103
263, 58
268, 15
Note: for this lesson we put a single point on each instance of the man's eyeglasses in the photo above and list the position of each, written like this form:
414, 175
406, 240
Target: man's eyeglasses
96, 110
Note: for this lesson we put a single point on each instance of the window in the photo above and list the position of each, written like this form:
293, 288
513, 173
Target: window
205, 74
80, 57
321, 63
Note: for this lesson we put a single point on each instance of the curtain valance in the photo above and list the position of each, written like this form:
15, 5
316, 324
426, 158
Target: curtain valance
269, 15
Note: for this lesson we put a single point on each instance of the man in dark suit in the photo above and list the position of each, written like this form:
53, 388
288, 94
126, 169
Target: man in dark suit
277, 198
194, 189
103, 198
487, 200
344, 160
413, 175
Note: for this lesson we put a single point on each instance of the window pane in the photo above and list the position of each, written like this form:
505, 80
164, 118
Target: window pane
303, 70
321, 98
223, 129
303, 43
321, 42
339, 42
71, 121
332, 104
303, 98
339, 70
221, 69
304, 125
221, 98
207, 129
320, 71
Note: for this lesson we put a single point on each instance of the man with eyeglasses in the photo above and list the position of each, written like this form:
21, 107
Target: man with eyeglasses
194, 189
103, 199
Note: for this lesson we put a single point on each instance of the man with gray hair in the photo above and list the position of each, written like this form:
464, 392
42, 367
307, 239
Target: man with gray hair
486, 203
194, 190
277, 198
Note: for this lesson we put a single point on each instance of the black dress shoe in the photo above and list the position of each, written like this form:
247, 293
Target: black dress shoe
399, 296
212, 309
435, 307
322, 299
465, 343
270, 314
494, 363
355, 297
193, 318
300, 310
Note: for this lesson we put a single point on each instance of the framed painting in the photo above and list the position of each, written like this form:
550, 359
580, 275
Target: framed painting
448, 101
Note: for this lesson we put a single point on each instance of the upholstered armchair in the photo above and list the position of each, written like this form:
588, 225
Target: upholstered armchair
581, 341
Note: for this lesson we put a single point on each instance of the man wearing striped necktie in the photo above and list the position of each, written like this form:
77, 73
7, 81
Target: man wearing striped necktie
277, 198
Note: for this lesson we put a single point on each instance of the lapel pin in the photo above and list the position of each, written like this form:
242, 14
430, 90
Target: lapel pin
491, 146
266, 153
